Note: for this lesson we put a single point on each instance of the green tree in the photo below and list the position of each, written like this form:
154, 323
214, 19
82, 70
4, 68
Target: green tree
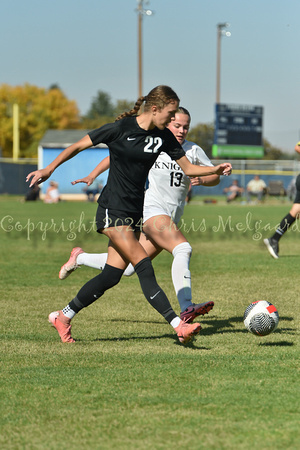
92, 124
272, 152
122, 106
203, 135
104, 111
40, 109
101, 106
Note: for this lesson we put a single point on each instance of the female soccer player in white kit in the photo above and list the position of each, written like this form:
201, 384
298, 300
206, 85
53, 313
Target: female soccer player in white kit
163, 208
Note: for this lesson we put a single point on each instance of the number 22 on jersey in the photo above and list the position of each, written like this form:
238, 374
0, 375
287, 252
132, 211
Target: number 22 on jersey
153, 144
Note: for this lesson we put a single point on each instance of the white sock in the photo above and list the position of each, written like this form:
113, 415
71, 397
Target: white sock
181, 275
129, 271
175, 322
98, 261
94, 260
68, 312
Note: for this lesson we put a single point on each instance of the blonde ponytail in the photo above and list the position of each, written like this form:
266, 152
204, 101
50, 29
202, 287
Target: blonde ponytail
134, 111
159, 96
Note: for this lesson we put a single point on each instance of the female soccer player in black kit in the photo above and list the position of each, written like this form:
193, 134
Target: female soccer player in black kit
134, 143
287, 221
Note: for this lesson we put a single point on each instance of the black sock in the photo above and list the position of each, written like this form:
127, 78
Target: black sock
152, 291
284, 225
95, 288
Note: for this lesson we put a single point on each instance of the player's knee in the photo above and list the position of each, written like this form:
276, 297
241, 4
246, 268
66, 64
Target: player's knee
110, 276
184, 249
144, 269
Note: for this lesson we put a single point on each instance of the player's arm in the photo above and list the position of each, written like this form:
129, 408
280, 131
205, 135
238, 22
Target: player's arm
193, 170
38, 176
102, 167
202, 159
209, 180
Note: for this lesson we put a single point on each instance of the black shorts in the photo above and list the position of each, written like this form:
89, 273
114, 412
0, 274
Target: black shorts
110, 218
297, 198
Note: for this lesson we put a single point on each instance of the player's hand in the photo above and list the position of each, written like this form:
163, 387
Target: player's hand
37, 177
224, 169
88, 180
196, 181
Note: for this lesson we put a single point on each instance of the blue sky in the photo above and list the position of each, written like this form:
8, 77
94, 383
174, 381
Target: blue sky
90, 45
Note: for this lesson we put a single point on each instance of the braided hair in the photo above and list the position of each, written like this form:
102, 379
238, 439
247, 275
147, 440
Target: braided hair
159, 96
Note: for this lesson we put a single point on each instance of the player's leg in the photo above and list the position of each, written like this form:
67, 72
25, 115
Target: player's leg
88, 294
79, 258
163, 233
126, 243
151, 250
287, 221
123, 247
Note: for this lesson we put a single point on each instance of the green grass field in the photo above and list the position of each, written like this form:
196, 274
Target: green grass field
127, 383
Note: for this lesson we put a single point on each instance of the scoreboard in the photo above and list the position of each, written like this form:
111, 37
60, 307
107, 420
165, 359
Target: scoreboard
238, 131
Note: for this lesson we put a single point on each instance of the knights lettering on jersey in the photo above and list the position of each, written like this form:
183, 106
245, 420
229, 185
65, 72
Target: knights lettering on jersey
166, 165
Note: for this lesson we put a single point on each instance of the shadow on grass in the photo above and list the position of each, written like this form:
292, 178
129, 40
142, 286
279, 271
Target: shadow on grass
277, 344
222, 325
215, 325
211, 325
146, 338
289, 256
136, 321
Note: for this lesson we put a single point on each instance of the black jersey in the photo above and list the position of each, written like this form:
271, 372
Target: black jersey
132, 153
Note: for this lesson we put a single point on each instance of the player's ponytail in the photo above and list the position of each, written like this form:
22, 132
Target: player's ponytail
134, 111
159, 96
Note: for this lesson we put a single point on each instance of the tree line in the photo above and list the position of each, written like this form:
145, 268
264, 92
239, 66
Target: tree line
41, 109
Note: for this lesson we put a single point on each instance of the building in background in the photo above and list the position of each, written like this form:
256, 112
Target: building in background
53, 143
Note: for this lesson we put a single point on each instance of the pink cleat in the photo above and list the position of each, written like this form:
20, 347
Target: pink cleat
70, 265
196, 310
64, 329
186, 331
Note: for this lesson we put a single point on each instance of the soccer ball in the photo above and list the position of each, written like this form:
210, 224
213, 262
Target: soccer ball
261, 318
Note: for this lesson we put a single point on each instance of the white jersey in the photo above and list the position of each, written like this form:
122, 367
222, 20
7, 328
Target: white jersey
168, 184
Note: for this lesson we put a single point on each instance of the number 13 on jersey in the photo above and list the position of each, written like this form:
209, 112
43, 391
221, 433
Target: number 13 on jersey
175, 178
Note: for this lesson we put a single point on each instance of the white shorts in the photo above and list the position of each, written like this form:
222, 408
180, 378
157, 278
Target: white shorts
153, 208
151, 211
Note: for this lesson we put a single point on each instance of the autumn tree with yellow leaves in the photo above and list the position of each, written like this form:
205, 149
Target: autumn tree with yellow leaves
40, 109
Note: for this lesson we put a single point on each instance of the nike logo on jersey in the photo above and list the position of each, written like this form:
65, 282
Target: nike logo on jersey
131, 139
151, 298
184, 276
